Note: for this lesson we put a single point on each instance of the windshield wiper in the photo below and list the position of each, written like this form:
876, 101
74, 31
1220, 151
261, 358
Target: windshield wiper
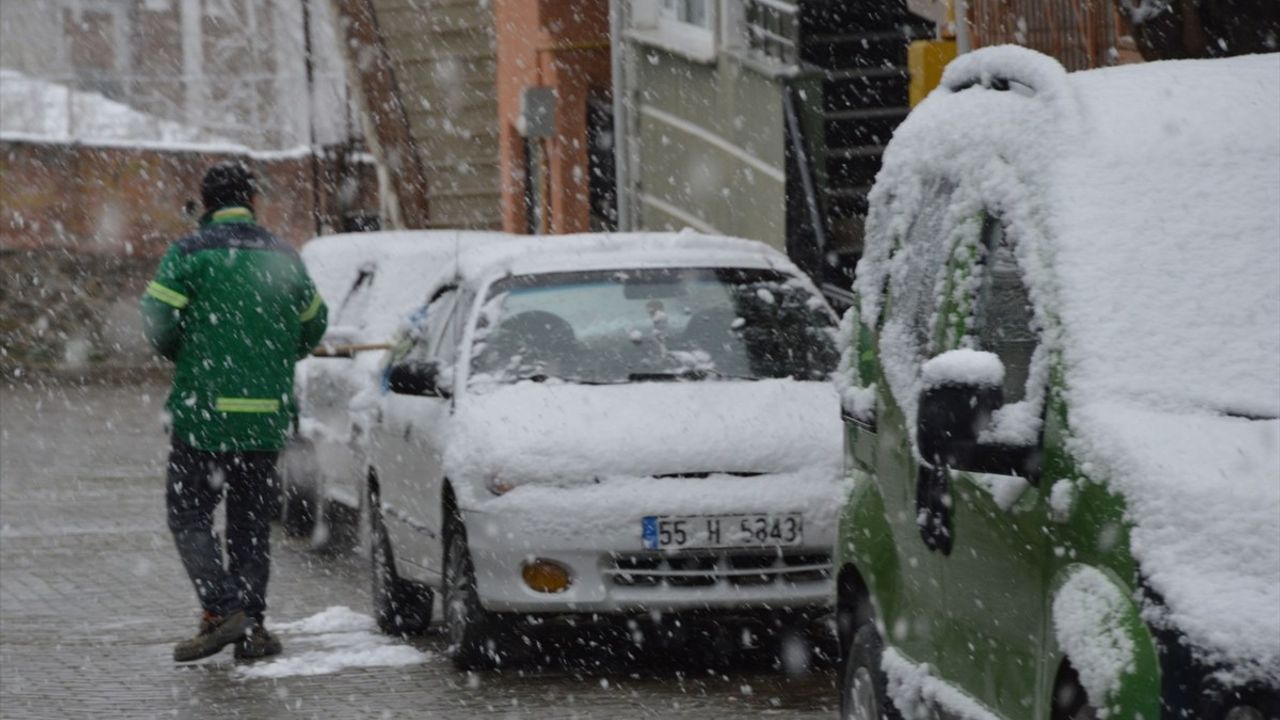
543, 377
690, 374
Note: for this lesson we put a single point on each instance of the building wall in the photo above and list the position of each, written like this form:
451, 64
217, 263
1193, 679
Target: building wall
444, 58
82, 229
234, 68
564, 47
1080, 34
706, 144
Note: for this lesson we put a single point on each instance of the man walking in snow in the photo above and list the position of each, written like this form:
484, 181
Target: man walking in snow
233, 307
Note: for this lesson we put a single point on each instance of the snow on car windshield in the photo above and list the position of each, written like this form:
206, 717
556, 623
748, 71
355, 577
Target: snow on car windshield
616, 326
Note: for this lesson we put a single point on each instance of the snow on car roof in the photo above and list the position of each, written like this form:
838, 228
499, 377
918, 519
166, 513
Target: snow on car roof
548, 253
1144, 202
411, 264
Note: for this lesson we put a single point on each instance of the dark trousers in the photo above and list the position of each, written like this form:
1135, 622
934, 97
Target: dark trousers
197, 481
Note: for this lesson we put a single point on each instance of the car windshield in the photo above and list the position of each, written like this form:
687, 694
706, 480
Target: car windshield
652, 325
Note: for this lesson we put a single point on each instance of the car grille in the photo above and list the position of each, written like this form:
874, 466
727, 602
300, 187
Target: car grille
739, 568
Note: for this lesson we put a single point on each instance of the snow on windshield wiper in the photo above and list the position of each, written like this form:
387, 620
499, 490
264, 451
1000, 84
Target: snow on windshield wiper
543, 377
689, 374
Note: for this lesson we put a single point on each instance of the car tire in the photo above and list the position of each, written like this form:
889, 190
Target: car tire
400, 606
474, 633
864, 691
298, 488
1070, 700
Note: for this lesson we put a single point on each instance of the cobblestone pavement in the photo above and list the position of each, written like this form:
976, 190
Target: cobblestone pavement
92, 597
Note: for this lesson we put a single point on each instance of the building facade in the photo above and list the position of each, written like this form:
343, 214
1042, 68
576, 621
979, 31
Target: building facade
555, 116
767, 119
760, 118
426, 75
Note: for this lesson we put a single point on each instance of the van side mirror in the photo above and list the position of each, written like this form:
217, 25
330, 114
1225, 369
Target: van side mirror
416, 378
961, 389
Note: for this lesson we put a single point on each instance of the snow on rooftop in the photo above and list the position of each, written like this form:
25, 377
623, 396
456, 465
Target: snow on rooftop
38, 109
1145, 202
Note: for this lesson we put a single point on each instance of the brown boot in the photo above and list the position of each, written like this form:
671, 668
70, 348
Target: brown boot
258, 643
216, 632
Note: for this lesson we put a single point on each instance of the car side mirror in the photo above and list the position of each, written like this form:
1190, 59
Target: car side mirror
960, 391
416, 378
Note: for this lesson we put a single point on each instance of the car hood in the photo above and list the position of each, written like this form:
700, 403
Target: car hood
570, 434
1202, 492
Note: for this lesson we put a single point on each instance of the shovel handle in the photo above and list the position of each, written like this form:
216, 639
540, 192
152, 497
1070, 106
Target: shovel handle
347, 350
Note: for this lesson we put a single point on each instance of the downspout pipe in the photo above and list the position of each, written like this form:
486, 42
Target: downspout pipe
963, 42
622, 188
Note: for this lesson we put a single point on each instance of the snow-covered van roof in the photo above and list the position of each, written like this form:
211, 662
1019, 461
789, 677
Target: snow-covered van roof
1145, 204
409, 265
334, 260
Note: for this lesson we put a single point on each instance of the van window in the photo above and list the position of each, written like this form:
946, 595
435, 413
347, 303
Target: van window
352, 310
437, 320
1003, 315
921, 258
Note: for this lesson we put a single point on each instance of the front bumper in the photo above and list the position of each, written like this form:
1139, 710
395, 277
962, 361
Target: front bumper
600, 544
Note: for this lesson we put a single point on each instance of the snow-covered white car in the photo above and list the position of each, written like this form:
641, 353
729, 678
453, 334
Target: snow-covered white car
371, 282
607, 424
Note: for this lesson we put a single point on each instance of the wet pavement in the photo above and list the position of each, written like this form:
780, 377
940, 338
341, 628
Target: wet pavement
92, 597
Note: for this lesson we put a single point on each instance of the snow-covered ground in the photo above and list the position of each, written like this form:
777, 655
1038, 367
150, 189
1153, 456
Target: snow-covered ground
334, 639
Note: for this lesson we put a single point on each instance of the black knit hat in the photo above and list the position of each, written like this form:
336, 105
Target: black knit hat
228, 184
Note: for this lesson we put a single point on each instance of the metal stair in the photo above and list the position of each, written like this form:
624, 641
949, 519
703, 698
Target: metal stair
860, 48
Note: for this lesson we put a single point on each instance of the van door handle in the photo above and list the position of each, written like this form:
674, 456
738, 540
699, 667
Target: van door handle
408, 430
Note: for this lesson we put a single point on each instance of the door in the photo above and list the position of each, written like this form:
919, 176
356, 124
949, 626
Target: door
408, 445
995, 572
329, 388
913, 607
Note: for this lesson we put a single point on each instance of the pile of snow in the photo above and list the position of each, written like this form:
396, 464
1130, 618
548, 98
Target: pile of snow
331, 641
33, 108
963, 367
916, 691
1143, 202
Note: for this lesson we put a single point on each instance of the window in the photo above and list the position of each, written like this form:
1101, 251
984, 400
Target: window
771, 28
690, 12
686, 27
619, 326
918, 264
352, 310
429, 331
1005, 325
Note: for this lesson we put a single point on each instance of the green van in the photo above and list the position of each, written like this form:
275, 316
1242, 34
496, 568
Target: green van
1061, 389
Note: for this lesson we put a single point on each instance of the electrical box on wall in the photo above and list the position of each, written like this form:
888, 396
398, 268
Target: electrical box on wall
538, 112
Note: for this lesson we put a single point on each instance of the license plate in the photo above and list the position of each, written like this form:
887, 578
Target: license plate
678, 532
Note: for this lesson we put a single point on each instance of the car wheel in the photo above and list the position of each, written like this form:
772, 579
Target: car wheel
863, 685
401, 607
1070, 701
298, 511
473, 631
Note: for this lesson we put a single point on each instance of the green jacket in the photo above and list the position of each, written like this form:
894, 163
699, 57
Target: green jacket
234, 308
